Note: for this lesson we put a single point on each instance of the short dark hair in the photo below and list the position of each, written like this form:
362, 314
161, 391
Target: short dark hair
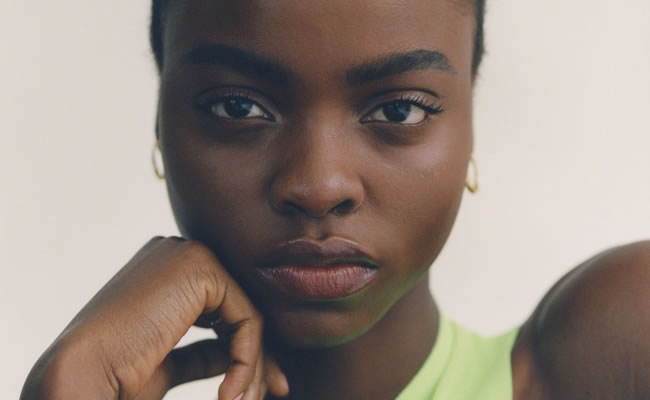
158, 8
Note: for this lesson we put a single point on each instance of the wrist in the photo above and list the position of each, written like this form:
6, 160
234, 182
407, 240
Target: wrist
70, 369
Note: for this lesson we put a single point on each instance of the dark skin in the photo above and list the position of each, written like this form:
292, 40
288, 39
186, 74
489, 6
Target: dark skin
271, 134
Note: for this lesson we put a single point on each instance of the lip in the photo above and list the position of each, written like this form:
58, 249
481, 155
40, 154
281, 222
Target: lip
318, 270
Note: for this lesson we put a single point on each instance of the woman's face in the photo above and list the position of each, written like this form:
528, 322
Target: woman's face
326, 132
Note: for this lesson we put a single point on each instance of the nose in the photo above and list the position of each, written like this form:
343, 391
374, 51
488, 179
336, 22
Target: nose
317, 177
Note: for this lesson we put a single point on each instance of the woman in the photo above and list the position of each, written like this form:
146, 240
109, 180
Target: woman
315, 158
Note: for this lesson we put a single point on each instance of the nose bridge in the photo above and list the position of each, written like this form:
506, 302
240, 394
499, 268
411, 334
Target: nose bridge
317, 174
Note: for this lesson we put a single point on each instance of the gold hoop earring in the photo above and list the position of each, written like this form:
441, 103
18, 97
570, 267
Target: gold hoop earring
472, 185
154, 158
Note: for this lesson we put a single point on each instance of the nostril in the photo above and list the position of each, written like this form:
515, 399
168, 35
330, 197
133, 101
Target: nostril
290, 208
344, 207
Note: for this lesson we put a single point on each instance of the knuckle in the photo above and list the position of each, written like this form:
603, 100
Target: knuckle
160, 241
157, 240
194, 256
257, 317
198, 254
200, 268
256, 320
169, 242
174, 239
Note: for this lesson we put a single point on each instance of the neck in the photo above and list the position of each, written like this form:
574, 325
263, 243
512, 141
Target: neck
377, 365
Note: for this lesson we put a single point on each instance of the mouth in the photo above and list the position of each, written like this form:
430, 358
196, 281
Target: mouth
309, 270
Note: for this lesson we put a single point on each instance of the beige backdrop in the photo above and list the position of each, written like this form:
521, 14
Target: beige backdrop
562, 141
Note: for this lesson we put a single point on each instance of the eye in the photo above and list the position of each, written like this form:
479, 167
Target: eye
238, 107
400, 112
404, 111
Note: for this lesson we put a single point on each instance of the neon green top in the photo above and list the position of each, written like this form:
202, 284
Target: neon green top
464, 366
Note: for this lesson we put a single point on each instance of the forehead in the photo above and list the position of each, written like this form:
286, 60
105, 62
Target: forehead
322, 35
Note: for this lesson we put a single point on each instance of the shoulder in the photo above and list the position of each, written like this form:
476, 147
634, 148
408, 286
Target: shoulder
590, 336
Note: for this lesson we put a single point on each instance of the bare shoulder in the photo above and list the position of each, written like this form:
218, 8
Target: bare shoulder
589, 338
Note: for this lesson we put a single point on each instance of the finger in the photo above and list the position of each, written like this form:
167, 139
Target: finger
264, 391
245, 341
209, 320
200, 360
213, 320
275, 380
210, 288
254, 391
259, 379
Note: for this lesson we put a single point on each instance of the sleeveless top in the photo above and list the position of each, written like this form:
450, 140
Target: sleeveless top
464, 365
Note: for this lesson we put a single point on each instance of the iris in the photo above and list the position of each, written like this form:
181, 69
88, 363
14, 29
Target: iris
398, 111
237, 107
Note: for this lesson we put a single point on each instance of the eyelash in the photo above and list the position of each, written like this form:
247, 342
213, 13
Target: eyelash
206, 103
432, 108
421, 101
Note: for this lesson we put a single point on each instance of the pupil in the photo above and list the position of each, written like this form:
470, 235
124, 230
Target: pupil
398, 111
238, 108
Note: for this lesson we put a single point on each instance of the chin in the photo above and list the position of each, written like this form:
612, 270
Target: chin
309, 328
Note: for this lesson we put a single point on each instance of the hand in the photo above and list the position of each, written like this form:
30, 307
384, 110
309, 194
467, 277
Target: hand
120, 345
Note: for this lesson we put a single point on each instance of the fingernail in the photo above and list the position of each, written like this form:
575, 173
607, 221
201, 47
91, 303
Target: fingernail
241, 396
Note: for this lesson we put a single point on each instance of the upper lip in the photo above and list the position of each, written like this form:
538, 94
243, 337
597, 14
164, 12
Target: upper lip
305, 252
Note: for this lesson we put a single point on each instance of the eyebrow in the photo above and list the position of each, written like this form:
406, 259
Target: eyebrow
238, 60
273, 71
398, 63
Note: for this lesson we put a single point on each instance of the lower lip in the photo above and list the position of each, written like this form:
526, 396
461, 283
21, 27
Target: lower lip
319, 282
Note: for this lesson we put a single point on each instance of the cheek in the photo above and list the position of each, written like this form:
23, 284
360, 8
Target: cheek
209, 184
432, 222
420, 196
424, 221
208, 190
